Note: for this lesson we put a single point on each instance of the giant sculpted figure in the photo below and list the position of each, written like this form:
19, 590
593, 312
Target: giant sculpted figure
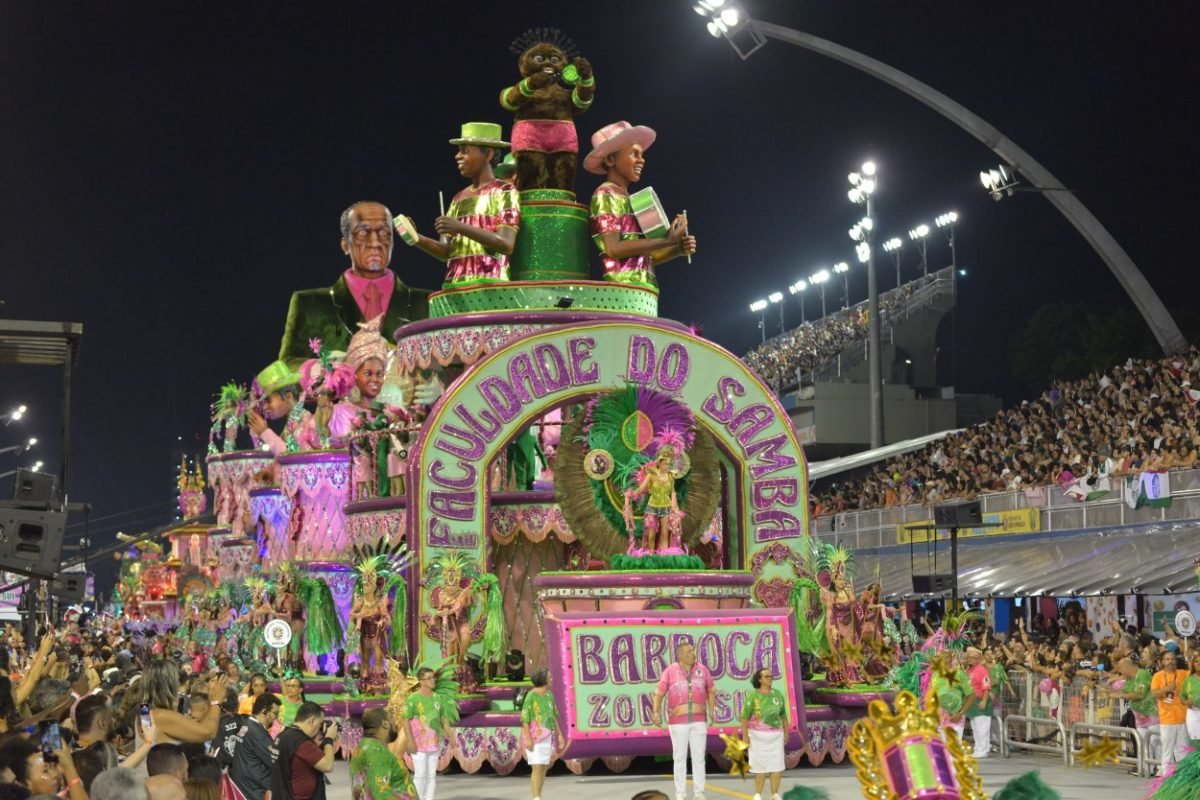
364, 291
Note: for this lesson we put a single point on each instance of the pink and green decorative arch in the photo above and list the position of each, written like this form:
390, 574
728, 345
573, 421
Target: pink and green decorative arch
766, 510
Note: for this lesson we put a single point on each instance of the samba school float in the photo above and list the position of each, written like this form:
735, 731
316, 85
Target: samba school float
525, 469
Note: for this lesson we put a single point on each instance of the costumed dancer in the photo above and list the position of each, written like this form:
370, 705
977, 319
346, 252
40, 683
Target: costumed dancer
429, 714
764, 726
380, 627
308, 606
479, 231
691, 699
261, 612
618, 153
539, 724
556, 85
358, 422
277, 396
662, 504
843, 665
456, 582
375, 771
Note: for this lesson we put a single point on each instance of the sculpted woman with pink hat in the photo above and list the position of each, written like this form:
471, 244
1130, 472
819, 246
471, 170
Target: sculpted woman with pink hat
627, 250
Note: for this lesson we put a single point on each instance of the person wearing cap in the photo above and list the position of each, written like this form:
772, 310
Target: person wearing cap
478, 232
366, 290
618, 153
979, 712
277, 393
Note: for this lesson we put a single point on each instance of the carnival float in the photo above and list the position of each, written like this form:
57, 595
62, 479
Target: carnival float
526, 468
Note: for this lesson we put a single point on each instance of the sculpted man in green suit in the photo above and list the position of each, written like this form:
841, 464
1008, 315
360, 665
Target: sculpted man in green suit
363, 292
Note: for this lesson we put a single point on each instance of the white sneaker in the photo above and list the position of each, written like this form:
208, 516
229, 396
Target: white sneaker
697, 795
757, 796
776, 796
680, 796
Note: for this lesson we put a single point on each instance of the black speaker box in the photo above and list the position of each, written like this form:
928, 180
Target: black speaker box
31, 540
69, 587
34, 488
959, 515
932, 584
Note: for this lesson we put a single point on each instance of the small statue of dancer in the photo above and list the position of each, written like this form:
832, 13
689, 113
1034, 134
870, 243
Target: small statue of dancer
370, 616
456, 584
662, 504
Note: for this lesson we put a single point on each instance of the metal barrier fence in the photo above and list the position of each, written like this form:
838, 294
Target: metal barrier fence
1059, 720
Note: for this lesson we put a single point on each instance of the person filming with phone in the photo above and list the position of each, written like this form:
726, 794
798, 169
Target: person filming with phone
305, 755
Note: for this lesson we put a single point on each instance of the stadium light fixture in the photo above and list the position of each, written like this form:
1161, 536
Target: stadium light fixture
843, 269
862, 183
863, 251
894, 246
760, 307
727, 18
819, 278
946, 223
776, 298
38, 466
919, 235
999, 182
13, 416
797, 290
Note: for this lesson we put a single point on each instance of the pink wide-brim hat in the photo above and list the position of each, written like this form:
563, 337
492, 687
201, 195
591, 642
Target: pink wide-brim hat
612, 138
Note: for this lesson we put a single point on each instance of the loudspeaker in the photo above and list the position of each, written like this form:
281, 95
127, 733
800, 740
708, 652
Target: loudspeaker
932, 584
31, 540
959, 515
34, 488
69, 587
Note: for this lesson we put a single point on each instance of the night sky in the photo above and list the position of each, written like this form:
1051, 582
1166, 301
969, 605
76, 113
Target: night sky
170, 172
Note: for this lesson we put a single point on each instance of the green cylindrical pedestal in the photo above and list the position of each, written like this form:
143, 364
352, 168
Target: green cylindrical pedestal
552, 244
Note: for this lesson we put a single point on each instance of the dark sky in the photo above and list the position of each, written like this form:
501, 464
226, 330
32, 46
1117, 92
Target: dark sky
170, 172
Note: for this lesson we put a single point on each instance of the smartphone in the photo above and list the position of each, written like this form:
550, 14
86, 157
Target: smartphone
144, 714
51, 740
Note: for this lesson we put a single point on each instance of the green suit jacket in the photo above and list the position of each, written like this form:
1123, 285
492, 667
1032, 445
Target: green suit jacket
332, 316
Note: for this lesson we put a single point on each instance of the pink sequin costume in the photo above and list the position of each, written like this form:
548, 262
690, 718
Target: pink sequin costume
612, 212
492, 206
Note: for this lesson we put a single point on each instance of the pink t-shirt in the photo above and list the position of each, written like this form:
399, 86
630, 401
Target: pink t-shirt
686, 688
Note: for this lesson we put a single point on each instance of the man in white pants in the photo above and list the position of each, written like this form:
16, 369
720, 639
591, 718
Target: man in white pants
425, 715
979, 712
691, 702
1172, 715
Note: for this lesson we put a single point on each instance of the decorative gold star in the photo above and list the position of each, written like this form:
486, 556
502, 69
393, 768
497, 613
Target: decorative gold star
852, 651
736, 751
1095, 753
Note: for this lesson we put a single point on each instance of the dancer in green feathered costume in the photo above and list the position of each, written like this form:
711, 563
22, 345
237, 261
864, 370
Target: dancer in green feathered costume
307, 604
379, 623
456, 583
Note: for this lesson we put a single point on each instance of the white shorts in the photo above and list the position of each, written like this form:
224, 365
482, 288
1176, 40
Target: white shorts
541, 752
766, 752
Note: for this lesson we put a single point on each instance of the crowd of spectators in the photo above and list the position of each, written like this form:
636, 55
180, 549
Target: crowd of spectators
95, 712
809, 346
1148, 683
1140, 416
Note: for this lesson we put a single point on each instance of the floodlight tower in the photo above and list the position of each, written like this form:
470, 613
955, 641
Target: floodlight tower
862, 187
